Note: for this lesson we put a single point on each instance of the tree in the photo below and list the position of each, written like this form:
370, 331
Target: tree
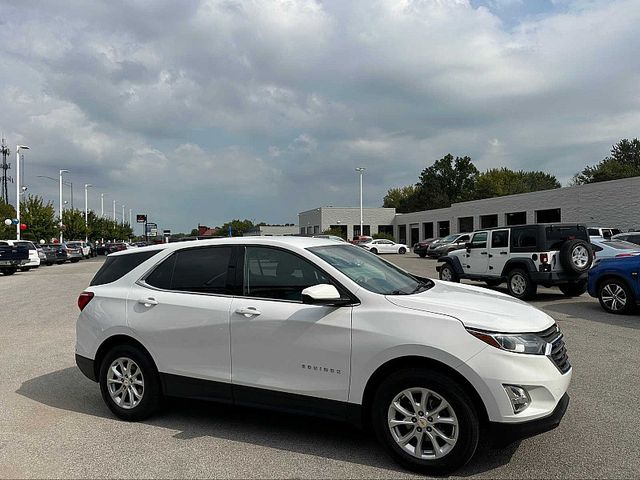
623, 162
336, 232
382, 235
39, 217
238, 227
73, 221
403, 199
7, 211
445, 182
498, 182
195, 232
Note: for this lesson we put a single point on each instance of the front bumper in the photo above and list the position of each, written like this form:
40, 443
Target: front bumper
517, 431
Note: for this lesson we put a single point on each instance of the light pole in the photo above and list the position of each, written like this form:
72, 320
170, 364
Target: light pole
130, 217
86, 211
18, 188
60, 174
123, 205
114, 211
361, 170
101, 205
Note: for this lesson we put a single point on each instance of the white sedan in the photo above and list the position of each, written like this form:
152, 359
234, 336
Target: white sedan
382, 245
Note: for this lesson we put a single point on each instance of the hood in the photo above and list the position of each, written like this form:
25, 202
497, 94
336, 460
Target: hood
477, 307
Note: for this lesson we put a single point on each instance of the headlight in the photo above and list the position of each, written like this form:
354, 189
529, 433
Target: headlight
529, 343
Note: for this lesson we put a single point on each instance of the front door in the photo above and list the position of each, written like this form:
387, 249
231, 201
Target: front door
477, 255
280, 344
181, 310
498, 251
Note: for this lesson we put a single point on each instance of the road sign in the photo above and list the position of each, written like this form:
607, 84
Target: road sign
166, 233
141, 218
152, 229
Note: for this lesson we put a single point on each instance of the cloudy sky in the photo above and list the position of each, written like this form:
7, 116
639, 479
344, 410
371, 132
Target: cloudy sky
203, 111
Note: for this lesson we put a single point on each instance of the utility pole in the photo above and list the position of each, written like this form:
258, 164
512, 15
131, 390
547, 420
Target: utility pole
123, 205
18, 188
101, 205
60, 174
361, 170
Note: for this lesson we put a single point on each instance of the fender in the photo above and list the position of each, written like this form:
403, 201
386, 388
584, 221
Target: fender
453, 261
525, 263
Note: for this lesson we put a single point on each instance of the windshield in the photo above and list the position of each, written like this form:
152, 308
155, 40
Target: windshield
621, 245
448, 239
370, 271
29, 245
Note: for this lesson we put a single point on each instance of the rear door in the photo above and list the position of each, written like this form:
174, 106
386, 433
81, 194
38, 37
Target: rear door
498, 251
280, 344
181, 311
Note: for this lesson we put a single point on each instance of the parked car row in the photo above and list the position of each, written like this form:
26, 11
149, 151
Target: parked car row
24, 255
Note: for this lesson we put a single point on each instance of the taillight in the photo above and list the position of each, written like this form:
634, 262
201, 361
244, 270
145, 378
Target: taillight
84, 299
544, 258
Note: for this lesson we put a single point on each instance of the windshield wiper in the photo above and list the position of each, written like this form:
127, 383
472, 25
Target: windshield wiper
422, 286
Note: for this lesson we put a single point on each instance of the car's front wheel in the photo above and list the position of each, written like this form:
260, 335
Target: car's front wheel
520, 284
129, 383
422, 254
402, 250
374, 251
426, 421
615, 296
448, 274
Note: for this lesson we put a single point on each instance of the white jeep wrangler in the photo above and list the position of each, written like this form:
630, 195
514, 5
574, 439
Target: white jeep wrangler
524, 256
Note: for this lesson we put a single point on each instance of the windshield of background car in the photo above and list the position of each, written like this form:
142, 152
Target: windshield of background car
370, 271
448, 239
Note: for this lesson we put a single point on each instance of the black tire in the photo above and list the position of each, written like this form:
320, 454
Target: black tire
520, 277
25, 269
570, 254
374, 251
402, 251
573, 289
493, 282
9, 270
423, 254
621, 290
151, 395
446, 388
453, 276
74, 260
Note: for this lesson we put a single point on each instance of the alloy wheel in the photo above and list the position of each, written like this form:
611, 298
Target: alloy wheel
125, 383
423, 423
580, 256
446, 274
518, 284
614, 297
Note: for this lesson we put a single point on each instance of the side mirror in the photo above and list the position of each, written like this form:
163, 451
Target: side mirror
323, 294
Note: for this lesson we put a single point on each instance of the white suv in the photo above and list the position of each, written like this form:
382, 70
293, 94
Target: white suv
525, 256
315, 326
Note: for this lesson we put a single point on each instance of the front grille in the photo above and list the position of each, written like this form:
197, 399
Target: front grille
558, 354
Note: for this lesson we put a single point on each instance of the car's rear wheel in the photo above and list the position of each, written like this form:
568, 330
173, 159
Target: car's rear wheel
25, 269
573, 289
426, 421
520, 284
615, 296
402, 250
422, 254
448, 274
374, 250
8, 270
129, 383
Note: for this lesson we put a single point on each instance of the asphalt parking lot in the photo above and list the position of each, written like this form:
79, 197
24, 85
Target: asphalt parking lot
53, 422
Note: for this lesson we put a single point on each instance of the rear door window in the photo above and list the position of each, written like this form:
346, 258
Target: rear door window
500, 239
116, 267
197, 270
524, 239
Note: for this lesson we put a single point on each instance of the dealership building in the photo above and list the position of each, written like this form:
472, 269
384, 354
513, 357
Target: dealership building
615, 203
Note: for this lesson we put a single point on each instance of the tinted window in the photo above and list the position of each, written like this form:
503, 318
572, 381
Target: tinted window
499, 239
556, 236
524, 238
200, 270
116, 267
464, 239
479, 240
29, 245
620, 245
277, 274
594, 232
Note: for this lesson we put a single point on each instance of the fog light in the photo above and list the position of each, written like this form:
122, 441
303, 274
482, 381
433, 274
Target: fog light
519, 397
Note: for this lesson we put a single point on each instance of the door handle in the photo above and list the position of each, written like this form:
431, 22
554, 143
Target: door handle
483, 253
148, 302
503, 253
248, 311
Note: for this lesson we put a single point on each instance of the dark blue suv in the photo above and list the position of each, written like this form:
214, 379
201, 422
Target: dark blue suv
616, 283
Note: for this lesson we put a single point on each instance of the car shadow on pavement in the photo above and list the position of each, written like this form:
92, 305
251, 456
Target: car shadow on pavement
69, 390
592, 312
